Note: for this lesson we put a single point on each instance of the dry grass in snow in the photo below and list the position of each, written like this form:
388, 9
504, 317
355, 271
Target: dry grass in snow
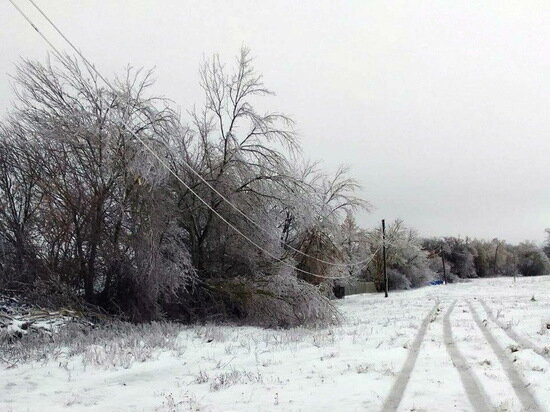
359, 365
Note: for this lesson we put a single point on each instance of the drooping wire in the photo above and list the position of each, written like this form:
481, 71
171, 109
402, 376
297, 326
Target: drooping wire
172, 172
186, 164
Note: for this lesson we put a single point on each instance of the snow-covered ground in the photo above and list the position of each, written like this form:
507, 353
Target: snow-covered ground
482, 345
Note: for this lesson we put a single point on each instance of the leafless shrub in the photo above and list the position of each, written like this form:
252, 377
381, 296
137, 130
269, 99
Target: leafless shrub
116, 344
281, 300
226, 379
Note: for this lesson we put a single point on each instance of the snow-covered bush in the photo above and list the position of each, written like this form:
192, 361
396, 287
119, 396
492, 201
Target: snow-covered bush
281, 300
397, 280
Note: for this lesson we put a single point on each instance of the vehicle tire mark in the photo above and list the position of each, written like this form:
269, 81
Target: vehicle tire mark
398, 389
513, 335
474, 390
520, 388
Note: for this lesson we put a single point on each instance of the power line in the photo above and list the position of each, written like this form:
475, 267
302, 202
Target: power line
159, 159
34, 27
187, 165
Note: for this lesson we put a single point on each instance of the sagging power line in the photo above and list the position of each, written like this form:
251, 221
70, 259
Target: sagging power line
163, 163
362, 263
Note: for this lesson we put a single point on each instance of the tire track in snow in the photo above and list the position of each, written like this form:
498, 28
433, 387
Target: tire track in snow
520, 388
474, 390
512, 334
396, 392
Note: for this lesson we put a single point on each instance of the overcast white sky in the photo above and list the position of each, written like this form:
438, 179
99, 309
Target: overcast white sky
440, 108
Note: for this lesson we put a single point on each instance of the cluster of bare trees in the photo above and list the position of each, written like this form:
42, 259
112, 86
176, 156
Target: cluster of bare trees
413, 261
472, 258
108, 198
83, 208
93, 209
408, 264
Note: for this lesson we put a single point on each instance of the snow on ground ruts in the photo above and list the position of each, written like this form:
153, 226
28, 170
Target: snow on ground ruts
416, 350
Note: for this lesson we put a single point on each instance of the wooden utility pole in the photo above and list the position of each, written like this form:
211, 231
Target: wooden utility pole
384, 257
444, 270
496, 256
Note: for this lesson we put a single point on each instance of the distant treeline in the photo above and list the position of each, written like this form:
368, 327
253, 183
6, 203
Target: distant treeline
413, 261
470, 258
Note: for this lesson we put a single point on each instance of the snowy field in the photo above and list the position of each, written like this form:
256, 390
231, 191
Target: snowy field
482, 345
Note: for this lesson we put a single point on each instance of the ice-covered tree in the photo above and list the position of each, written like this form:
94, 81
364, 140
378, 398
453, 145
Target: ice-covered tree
532, 261
109, 195
406, 261
546, 246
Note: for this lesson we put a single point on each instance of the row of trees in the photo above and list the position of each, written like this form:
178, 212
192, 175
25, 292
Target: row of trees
106, 199
466, 258
109, 199
413, 261
407, 262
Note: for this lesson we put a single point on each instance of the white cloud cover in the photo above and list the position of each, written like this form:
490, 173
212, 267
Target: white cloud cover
440, 108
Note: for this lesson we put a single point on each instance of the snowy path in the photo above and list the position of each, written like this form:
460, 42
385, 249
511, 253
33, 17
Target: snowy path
526, 343
495, 372
520, 387
398, 388
476, 393
477, 346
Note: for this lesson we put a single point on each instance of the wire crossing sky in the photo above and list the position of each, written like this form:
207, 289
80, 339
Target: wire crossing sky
441, 109
163, 164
